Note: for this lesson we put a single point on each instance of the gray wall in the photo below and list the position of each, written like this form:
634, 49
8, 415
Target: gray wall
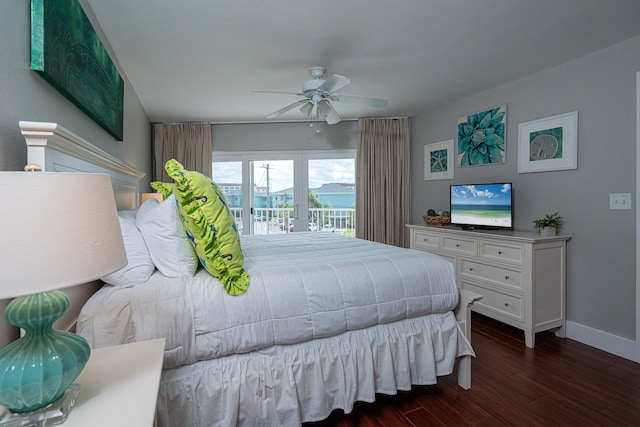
601, 254
26, 96
284, 136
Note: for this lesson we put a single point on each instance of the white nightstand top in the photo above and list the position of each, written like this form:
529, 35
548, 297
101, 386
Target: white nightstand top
119, 386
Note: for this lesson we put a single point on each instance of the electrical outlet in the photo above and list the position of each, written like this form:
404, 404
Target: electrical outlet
620, 201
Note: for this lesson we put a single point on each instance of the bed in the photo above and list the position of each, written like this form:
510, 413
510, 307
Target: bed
327, 321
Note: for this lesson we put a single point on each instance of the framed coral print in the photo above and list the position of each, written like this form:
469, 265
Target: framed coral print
482, 137
438, 162
548, 144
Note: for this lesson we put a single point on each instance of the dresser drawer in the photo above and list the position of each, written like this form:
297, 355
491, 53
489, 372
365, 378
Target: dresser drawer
506, 305
500, 275
425, 241
505, 252
460, 246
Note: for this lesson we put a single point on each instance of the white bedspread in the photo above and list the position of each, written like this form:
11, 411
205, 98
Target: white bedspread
303, 286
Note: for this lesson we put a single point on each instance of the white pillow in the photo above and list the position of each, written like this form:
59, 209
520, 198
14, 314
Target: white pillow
130, 214
139, 266
164, 234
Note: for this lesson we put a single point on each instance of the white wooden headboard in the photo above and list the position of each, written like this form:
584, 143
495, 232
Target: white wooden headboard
55, 149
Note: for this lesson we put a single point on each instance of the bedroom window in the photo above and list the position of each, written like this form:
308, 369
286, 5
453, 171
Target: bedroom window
289, 191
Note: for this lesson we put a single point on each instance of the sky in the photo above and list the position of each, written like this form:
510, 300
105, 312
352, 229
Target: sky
321, 171
481, 194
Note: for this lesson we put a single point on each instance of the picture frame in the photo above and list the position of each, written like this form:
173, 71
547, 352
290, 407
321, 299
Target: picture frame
548, 144
482, 137
67, 52
439, 160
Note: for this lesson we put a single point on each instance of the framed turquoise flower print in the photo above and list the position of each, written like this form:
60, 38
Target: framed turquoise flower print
482, 137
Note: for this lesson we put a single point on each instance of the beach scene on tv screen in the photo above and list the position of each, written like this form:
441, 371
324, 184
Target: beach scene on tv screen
481, 204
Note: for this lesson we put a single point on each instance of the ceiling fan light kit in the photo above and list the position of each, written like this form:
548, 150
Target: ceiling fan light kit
319, 93
306, 108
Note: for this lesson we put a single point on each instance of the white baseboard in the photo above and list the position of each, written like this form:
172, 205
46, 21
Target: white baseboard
604, 341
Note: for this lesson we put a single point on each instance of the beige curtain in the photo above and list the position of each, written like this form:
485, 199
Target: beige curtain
188, 143
382, 177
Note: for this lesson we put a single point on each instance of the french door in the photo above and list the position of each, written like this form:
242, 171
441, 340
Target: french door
282, 192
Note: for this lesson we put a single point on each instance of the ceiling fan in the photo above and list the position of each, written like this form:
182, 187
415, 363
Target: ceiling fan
319, 93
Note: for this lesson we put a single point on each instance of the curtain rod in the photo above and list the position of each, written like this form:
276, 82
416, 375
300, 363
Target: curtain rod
249, 122
392, 118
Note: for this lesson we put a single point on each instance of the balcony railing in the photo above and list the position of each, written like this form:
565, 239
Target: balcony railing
280, 220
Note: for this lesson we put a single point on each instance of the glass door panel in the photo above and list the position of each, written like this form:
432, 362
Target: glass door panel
228, 176
272, 196
332, 195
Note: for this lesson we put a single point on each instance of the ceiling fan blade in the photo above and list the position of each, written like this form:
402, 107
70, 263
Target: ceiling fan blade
287, 108
373, 102
332, 116
335, 82
279, 92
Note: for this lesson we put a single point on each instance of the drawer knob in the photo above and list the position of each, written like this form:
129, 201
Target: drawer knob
470, 268
499, 252
457, 245
506, 304
506, 277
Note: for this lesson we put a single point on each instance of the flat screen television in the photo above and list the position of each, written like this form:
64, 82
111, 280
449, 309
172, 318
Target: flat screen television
484, 206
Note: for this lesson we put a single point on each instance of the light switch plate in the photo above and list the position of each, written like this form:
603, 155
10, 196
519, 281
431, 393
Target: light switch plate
620, 201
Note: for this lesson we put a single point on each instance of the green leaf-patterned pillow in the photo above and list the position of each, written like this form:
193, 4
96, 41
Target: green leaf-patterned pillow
210, 226
163, 188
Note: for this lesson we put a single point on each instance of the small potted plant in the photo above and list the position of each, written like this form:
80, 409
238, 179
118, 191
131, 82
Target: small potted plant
550, 224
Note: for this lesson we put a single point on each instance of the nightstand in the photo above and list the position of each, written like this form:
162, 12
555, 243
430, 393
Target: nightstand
119, 386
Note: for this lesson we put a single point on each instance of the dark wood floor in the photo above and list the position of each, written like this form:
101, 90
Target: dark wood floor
559, 383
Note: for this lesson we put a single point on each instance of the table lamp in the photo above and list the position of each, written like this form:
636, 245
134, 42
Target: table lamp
146, 196
58, 230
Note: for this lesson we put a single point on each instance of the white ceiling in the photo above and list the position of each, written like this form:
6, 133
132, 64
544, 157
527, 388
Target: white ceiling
198, 60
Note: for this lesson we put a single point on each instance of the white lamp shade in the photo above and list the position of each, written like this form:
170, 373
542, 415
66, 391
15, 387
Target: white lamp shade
324, 108
57, 230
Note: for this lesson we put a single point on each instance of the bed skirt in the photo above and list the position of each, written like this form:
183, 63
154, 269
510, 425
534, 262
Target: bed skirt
292, 384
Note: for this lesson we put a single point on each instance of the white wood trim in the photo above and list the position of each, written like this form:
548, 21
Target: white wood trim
637, 349
604, 341
56, 149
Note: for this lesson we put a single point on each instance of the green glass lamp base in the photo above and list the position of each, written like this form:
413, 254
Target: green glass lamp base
36, 370
51, 415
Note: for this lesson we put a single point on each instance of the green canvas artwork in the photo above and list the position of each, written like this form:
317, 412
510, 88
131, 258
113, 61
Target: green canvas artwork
67, 53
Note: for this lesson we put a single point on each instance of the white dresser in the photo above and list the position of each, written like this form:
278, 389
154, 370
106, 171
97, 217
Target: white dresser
521, 275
